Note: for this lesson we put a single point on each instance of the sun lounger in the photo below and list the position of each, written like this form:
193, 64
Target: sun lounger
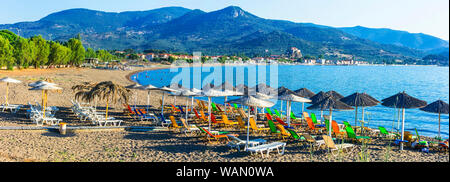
295, 136
217, 137
189, 129
237, 142
336, 147
385, 133
312, 127
315, 144
164, 122
351, 135
146, 117
277, 113
227, 122
174, 125
283, 132
255, 128
273, 128
12, 107
286, 125
267, 148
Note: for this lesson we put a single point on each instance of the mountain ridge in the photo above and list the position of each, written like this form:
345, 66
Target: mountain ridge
231, 30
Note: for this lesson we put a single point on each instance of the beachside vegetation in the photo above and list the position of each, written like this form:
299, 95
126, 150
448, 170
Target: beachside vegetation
37, 52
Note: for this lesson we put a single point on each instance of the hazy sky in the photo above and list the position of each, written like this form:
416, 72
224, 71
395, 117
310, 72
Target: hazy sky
415, 16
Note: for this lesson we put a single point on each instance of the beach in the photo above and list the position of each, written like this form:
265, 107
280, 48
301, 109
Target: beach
150, 146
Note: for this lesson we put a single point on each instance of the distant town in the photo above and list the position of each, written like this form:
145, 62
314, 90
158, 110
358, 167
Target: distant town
292, 56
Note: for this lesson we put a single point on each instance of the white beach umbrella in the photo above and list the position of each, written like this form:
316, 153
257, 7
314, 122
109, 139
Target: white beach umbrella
45, 88
290, 96
149, 88
212, 93
40, 83
165, 89
251, 101
188, 93
135, 86
8, 80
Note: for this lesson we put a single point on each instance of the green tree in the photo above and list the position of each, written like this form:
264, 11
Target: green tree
90, 53
23, 52
77, 51
171, 59
6, 53
104, 55
12, 37
59, 54
42, 51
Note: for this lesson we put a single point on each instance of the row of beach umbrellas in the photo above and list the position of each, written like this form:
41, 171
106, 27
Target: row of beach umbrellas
259, 95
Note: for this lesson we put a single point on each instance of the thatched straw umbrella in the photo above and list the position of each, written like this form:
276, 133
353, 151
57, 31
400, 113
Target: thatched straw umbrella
317, 98
360, 100
45, 89
289, 96
403, 101
305, 93
439, 107
281, 90
330, 103
335, 94
108, 91
251, 101
8, 80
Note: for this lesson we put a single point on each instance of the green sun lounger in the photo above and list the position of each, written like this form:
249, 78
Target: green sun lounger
351, 134
273, 128
295, 135
277, 113
385, 133
347, 124
214, 107
293, 116
314, 119
269, 111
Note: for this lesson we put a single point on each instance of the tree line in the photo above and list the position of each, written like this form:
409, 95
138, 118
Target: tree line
16, 51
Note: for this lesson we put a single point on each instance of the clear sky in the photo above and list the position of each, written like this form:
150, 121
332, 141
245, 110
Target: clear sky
415, 16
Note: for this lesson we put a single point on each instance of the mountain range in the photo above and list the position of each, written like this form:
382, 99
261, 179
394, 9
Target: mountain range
231, 30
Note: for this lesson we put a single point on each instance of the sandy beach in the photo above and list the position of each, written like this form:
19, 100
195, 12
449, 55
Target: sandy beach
151, 146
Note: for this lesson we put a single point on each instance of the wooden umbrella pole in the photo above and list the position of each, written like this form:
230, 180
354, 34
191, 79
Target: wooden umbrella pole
248, 128
43, 103
6, 101
107, 105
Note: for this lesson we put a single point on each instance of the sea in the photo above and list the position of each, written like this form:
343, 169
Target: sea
428, 83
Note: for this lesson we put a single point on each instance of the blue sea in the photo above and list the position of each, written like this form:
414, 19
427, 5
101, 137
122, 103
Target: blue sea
428, 83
